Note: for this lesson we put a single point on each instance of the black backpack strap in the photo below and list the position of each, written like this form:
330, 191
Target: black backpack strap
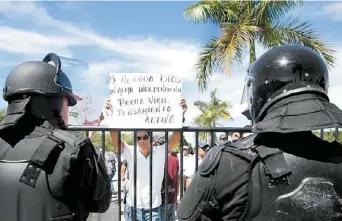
276, 166
46, 155
269, 162
72, 138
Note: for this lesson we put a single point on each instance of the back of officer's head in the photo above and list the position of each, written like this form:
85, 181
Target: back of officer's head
41, 90
283, 72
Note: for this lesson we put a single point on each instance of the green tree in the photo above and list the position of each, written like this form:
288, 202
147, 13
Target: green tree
211, 113
243, 24
2, 114
329, 135
97, 140
176, 149
128, 138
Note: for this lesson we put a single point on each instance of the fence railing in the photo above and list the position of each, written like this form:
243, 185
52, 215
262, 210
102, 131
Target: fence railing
195, 130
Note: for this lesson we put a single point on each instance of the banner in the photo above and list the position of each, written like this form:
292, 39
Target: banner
87, 111
144, 100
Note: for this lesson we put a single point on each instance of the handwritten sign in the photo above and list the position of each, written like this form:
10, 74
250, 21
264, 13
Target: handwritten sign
145, 100
87, 111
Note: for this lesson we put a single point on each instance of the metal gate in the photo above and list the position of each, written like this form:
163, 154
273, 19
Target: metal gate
115, 210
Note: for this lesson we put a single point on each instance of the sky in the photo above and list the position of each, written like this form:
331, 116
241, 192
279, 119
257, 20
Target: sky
140, 37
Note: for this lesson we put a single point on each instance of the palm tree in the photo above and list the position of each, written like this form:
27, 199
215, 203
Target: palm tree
243, 24
2, 114
212, 112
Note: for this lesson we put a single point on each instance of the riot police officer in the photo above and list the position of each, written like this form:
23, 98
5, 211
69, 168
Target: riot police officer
47, 173
283, 171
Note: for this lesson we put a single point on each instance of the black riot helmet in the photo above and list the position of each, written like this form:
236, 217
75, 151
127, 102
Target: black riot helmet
39, 88
281, 72
39, 78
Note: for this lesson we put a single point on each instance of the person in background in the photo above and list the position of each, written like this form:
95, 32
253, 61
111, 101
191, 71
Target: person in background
186, 156
236, 136
111, 167
222, 138
124, 170
125, 187
186, 152
168, 208
203, 149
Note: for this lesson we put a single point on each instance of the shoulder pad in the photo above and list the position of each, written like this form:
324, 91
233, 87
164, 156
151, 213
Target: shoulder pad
211, 160
71, 138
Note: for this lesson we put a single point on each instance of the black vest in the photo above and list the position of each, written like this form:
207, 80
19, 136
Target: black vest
35, 182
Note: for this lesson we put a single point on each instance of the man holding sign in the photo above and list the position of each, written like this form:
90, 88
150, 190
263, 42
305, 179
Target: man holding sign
143, 139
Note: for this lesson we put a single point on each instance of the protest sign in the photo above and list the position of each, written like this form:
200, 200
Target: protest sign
145, 100
87, 111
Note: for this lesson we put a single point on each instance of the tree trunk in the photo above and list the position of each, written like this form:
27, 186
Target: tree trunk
252, 55
214, 134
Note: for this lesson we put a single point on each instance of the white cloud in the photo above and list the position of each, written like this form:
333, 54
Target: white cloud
98, 70
20, 41
228, 88
335, 79
333, 11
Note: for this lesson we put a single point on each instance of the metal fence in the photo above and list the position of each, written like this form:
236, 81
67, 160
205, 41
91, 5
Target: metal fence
195, 130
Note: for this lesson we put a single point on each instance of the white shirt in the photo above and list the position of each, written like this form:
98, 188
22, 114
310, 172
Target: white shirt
189, 165
187, 162
143, 176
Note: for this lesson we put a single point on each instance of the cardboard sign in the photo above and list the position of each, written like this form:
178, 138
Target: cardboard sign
87, 111
144, 100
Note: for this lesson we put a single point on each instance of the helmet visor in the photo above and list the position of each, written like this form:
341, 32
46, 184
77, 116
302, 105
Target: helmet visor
247, 94
69, 72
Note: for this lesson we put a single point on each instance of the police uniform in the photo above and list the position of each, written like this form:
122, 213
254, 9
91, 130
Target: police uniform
283, 171
47, 173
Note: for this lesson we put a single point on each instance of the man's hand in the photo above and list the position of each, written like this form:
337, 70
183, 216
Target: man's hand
101, 117
183, 105
108, 108
123, 169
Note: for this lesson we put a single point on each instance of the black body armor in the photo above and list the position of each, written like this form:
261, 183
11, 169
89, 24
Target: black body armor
40, 181
282, 186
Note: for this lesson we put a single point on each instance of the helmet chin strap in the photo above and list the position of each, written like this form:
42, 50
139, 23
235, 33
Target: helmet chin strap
58, 121
49, 109
45, 107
